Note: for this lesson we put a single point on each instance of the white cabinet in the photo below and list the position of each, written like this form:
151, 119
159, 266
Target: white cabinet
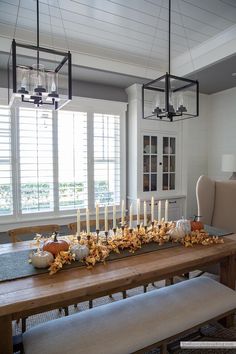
154, 165
159, 162
176, 208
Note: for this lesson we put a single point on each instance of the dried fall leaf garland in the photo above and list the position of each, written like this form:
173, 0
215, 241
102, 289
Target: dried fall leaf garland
99, 249
64, 257
200, 238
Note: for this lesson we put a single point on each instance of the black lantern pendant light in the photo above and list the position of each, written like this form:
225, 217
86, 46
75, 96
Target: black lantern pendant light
46, 83
170, 98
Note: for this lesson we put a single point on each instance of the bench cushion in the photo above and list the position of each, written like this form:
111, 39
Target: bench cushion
128, 325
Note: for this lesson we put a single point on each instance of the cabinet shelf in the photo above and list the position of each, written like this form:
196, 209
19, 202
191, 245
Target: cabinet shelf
159, 163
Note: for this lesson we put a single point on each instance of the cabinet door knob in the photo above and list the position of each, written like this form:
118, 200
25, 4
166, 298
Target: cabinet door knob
172, 202
160, 163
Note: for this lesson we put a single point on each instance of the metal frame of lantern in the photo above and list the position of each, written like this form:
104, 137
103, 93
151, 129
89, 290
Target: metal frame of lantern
167, 113
40, 97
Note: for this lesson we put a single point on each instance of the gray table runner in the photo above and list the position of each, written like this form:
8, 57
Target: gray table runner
15, 265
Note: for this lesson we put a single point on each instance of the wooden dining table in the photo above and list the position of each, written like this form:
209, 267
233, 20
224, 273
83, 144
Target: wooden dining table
35, 294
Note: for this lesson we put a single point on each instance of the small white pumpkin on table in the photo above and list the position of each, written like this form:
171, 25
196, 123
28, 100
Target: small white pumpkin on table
176, 233
185, 225
80, 251
41, 259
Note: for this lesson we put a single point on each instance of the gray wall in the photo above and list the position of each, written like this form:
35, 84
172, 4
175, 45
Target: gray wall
99, 91
85, 89
3, 78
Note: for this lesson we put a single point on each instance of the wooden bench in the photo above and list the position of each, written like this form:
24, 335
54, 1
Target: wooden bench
134, 324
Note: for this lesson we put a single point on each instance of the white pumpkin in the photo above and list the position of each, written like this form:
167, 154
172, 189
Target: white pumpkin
185, 225
176, 233
80, 251
41, 259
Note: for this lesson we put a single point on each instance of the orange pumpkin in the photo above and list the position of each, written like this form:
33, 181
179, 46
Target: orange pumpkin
55, 246
196, 224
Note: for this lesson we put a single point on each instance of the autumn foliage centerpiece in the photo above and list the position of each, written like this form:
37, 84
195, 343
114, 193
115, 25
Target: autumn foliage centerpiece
91, 248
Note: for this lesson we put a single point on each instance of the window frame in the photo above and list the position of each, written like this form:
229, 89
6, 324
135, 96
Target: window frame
78, 104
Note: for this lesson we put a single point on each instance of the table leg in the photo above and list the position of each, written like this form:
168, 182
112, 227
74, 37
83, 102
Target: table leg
228, 277
6, 344
169, 281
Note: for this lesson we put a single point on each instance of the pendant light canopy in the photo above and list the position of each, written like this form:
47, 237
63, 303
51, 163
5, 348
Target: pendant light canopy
47, 82
170, 98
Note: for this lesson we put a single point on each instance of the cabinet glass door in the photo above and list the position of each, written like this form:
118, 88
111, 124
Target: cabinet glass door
169, 163
149, 163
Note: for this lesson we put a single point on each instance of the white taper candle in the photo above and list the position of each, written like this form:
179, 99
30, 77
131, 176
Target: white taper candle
130, 216
145, 213
138, 211
106, 219
123, 213
97, 216
159, 212
152, 209
114, 217
166, 210
78, 222
87, 221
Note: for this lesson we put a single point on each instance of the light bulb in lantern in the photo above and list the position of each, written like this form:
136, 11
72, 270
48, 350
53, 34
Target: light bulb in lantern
180, 104
23, 73
180, 99
52, 84
156, 103
157, 100
171, 103
38, 78
53, 88
24, 82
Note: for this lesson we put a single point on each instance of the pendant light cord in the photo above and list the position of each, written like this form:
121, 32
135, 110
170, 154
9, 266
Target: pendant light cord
186, 37
17, 15
169, 35
38, 33
153, 40
51, 28
63, 25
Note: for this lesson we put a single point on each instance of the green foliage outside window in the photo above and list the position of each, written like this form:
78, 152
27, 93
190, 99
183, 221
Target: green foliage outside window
39, 196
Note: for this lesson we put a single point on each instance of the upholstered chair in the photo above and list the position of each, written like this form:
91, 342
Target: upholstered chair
216, 202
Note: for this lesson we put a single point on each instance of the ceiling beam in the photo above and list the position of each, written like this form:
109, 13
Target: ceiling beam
209, 52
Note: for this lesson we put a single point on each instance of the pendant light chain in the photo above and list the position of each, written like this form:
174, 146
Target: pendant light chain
17, 16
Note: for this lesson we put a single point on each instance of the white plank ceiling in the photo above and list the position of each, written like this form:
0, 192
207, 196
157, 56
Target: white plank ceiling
130, 31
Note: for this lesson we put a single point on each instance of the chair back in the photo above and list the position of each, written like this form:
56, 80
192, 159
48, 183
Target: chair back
205, 193
216, 203
15, 233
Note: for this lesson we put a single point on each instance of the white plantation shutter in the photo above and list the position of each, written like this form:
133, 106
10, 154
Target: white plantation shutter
107, 158
36, 160
72, 160
6, 199
52, 163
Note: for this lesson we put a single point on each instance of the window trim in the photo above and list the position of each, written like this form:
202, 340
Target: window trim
90, 106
